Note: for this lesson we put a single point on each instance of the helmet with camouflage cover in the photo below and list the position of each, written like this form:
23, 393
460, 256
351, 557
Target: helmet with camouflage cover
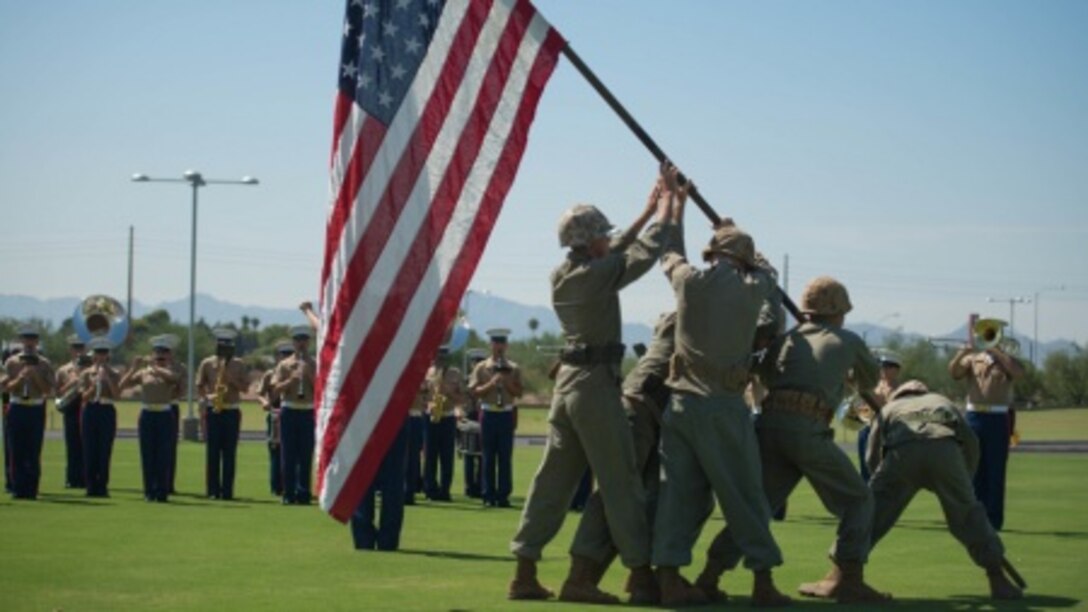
825, 296
728, 239
581, 225
911, 387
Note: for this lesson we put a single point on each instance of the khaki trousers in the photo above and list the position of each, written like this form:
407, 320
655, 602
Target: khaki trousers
807, 449
938, 466
593, 538
587, 427
709, 449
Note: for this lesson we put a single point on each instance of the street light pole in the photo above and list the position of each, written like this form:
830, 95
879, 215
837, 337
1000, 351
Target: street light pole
196, 181
1035, 332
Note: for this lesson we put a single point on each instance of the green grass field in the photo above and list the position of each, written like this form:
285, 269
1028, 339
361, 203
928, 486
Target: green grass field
67, 552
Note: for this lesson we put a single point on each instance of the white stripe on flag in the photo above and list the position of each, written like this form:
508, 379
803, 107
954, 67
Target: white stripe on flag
405, 342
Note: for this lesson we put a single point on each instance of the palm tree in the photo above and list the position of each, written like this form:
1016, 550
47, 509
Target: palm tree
533, 324
245, 323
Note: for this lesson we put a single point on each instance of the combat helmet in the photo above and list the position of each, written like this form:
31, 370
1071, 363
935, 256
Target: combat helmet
581, 224
825, 296
911, 387
728, 239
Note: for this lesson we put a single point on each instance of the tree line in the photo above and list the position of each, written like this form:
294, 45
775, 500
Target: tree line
1061, 381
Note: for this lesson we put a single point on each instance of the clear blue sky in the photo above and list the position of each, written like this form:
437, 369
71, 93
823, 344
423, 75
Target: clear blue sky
930, 154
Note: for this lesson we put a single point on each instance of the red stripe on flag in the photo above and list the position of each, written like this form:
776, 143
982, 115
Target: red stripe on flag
340, 114
381, 224
418, 258
461, 272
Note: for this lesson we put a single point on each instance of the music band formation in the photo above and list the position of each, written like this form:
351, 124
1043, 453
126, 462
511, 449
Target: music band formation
728, 408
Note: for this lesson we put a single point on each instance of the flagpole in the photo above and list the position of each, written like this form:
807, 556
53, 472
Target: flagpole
658, 154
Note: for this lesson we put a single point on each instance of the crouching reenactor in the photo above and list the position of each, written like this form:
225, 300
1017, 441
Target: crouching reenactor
921, 440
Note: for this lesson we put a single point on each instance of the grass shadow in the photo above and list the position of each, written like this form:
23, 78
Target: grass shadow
979, 602
459, 556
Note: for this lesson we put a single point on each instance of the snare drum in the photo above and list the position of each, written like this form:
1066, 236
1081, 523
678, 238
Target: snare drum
469, 440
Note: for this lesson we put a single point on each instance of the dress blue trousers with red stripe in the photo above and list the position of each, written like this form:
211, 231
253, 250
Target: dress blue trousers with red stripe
297, 452
992, 430
99, 429
73, 445
27, 424
389, 482
438, 463
497, 431
221, 452
155, 428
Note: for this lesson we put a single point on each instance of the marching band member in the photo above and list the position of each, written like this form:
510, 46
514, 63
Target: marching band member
469, 437
99, 386
990, 375
293, 380
220, 381
446, 388
69, 404
271, 403
28, 378
159, 384
496, 382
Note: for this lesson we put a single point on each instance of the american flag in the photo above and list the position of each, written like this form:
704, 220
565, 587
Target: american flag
432, 114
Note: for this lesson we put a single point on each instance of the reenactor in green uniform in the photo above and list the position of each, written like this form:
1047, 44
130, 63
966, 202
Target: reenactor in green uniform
708, 442
645, 396
922, 440
806, 371
586, 410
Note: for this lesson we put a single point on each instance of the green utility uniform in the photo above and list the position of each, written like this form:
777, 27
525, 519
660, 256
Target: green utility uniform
924, 442
645, 396
708, 443
586, 412
805, 372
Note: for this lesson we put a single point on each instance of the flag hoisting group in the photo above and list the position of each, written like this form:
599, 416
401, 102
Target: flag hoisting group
432, 113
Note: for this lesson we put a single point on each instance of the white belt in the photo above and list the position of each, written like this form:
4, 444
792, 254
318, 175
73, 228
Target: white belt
156, 407
290, 406
495, 407
987, 408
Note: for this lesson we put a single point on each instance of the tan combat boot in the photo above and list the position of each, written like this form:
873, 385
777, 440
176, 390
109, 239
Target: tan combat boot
525, 585
852, 587
581, 583
1000, 586
824, 587
677, 592
707, 582
642, 585
764, 593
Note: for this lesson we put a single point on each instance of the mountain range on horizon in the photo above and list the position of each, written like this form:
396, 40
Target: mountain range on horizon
484, 311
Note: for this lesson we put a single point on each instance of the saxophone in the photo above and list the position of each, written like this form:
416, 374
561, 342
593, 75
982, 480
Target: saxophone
219, 400
438, 406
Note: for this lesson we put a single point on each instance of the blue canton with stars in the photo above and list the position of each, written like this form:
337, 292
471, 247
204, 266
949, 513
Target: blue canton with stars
384, 44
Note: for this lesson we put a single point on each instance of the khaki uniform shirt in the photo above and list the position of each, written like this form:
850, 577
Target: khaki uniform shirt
987, 380
67, 381
482, 374
654, 365
88, 381
918, 418
158, 385
817, 359
301, 368
445, 391
207, 375
717, 312
267, 390
585, 292
29, 392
